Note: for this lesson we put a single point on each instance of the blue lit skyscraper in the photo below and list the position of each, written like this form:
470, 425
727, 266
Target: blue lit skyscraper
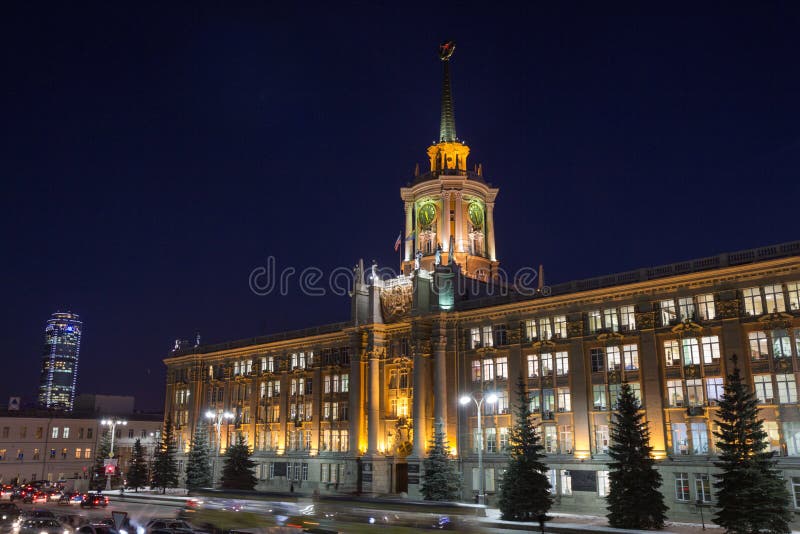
62, 344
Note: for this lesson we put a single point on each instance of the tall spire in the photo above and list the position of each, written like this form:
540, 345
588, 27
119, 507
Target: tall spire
447, 127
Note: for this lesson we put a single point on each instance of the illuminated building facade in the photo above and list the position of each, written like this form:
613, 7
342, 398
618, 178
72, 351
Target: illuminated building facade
59, 376
352, 406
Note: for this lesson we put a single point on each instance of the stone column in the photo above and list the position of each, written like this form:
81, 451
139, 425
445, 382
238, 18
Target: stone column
409, 244
490, 230
459, 207
445, 220
420, 397
440, 380
373, 407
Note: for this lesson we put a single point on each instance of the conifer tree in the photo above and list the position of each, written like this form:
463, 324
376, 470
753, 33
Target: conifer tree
441, 480
237, 472
634, 499
165, 467
751, 495
101, 455
198, 465
137, 469
525, 492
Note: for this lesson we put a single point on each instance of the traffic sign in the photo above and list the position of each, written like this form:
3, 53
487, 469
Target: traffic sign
119, 518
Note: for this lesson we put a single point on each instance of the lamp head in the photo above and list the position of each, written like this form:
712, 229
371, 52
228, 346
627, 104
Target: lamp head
464, 399
209, 414
491, 398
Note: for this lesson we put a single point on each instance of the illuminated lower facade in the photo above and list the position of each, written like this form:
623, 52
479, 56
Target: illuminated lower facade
59, 374
351, 407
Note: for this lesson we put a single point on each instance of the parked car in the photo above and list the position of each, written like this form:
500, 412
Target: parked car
96, 528
168, 526
94, 499
74, 497
41, 526
9, 514
54, 496
6, 492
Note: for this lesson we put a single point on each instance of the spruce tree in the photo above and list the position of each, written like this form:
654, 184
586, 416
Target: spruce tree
237, 472
441, 480
165, 467
198, 465
101, 455
751, 495
137, 470
525, 492
634, 499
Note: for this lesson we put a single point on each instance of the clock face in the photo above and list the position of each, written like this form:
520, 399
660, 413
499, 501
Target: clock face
476, 214
427, 214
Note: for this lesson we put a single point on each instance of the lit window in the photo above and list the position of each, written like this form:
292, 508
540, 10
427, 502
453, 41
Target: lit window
714, 390
630, 356
773, 297
675, 392
488, 340
680, 442
686, 308
699, 438
566, 482
560, 326
595, 321
78, 452
545, 329
601, 438
791, 435
535, 402
781, 344
681, 487
610, 319
530, 329
603, 484
488, 370
787, 388
565, 438
702, 487
710, 346
759, 345
668, 312
763, 389
547, 364
694, 389
54, 433
691, 351
627, 318
752, 301
794, 295
533, 366
614, 358
550, 439
564, 400
476, 370
475, 337
502, 367
597, 356
796, 491
599, 396
562, 363
672, 353
706, 309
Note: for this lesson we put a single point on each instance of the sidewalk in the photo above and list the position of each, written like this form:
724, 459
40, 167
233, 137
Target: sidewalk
568, 523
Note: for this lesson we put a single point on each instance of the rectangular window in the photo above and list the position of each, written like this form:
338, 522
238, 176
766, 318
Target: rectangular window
78, 452
548, 402
491, 440
672, 353
794, 295
486, 338
710, 347
694, 390
550, 440
533, 366
65, 433
706, 309
560, 326
691, 351
566, 482
599, 396
751, 298
759, 345
781, 344
603, 484
681, 487
791, 435
595, 321
668, 312
562, 363
796, 491
680, 441
702, 487
501, 367
773, 298
602, 439
630, 357
610, 319
564, 400
530, 329
345, 381
475, 337
614, 358
488, 370
636, 389
627, 318
714, 390
763, 389
565, 438
476, 370
675, 392
500, 337
699, 438
503, 438
686, 308
613, 394
535, 401
547, 364
54, 432
87, 453
787, 388
545, 329
597, 356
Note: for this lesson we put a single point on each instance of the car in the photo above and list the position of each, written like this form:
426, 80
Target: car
97, 528
74, 497
94, 499
172, 525
54, 496
9, 513
6, 492
34, 497
41, 526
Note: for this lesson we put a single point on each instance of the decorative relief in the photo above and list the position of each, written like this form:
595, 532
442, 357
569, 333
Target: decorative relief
514, 335
691, 371
611, 339
396, 301
783, 364
575, 328
645, 320
687, 328
776, 320
728, 309
543, 346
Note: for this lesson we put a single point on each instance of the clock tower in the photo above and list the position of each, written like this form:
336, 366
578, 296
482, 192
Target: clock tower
450, 209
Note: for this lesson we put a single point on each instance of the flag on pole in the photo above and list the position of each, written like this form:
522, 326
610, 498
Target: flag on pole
398, 241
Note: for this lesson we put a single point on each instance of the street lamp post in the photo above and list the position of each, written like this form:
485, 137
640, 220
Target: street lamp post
217, 418
478, 397
113, 424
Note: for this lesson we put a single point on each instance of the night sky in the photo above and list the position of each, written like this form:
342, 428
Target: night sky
153, 155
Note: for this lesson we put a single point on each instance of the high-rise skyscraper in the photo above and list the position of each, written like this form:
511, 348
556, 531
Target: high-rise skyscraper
62, 344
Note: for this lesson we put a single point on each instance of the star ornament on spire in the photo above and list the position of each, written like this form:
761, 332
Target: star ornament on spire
446, 50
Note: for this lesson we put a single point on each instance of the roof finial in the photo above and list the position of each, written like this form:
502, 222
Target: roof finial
447, 127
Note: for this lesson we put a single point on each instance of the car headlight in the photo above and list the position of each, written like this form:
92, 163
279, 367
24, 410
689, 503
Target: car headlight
43, 532
66, 532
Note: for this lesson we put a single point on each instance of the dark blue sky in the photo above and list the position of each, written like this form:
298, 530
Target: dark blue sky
153, 155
